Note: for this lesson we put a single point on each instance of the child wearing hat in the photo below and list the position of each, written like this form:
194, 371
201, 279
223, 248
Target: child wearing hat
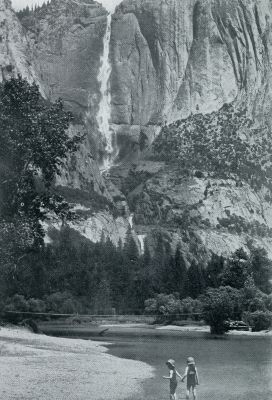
173, 373
192, 377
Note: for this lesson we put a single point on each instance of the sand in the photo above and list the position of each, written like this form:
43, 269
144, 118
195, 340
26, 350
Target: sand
39, 367
187, 328
206, 329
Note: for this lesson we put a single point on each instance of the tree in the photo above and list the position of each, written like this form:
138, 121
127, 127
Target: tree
163, 305
34, 145
180, 274
236, 271
261, 268
196, 278
214, 270
219, 305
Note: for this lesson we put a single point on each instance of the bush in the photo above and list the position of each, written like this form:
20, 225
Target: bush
17, 303
36, 305
63, 303
259, 320
163, 305
191, 306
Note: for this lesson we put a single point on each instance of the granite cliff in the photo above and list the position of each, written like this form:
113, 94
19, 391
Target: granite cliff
167, 60
171, 58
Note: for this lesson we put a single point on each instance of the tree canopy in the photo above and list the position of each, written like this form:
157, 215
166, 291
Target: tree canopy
34, 145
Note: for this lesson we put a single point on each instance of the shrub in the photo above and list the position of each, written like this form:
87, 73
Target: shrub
259, 320
191, 306
62, 302
36, 305
17, 303
163, 305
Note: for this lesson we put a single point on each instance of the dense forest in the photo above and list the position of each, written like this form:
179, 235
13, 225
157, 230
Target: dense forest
73, 275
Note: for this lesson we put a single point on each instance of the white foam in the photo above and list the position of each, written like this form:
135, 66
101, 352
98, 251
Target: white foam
104, 111
141, 239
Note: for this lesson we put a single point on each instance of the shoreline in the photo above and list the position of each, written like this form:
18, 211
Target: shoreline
97, 331
206, 329
188, 328
45, 367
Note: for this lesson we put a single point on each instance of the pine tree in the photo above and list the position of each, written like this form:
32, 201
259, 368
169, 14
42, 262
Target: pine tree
34, 145
214, 270
196, 280
181, 274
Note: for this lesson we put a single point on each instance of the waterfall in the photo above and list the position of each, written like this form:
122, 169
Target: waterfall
130, 221
104, 112
141, 239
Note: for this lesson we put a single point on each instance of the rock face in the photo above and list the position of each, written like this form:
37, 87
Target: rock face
176, 58
171, 58
67, 41
14, 47
204, 215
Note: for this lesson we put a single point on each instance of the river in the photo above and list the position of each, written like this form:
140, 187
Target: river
230, 367
233, 368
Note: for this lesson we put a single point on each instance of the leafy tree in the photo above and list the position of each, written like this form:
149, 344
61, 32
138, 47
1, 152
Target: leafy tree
259, 320
34, 146
190, 306
163, 305
219, 305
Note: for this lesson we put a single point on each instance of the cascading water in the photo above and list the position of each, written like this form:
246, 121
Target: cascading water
141, 239
130, 221
104, 112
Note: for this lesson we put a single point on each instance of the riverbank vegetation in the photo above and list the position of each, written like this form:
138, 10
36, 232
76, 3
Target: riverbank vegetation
71, 276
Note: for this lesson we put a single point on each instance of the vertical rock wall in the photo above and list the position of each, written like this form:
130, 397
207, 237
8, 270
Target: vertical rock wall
171, 58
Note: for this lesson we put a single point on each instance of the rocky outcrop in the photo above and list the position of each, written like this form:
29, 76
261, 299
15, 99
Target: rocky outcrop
67, 42
14, 46
204, 214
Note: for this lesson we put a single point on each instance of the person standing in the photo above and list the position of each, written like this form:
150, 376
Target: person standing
173, 373
192, 377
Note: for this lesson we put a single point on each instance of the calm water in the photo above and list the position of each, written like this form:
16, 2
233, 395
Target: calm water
235, 368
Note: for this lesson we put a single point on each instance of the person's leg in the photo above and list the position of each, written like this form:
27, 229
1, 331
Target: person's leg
173, 388
194, 392
187, 393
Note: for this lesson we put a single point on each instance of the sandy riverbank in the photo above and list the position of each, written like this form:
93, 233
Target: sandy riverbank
206, 329
40, 367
